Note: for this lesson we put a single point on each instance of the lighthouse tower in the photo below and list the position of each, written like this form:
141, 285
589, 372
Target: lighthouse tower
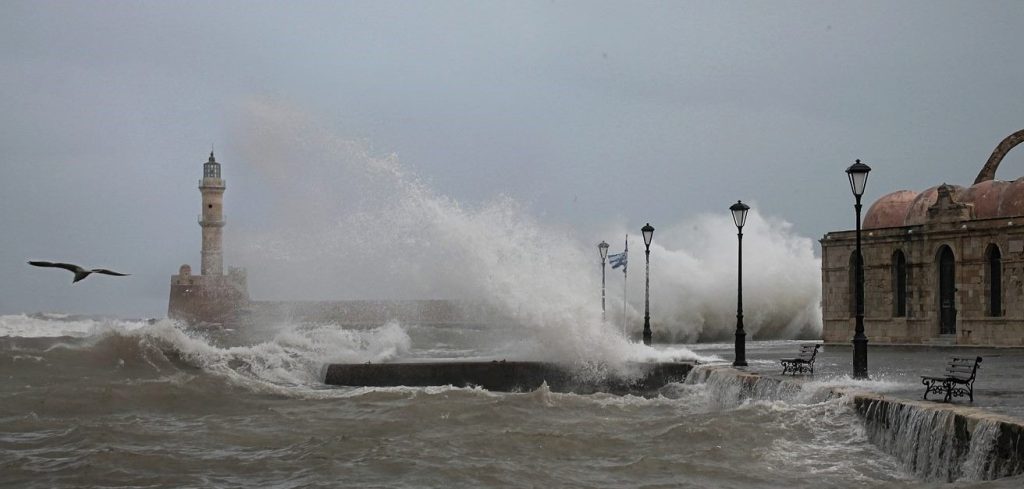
212, 218
211, 296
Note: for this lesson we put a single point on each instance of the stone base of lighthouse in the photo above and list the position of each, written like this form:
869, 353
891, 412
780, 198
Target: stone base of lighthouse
208, 298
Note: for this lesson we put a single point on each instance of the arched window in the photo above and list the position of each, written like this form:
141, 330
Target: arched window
946, 262
899, 284
994, 281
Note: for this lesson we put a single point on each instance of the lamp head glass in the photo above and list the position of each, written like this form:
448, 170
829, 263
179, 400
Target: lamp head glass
858, 173
739, 213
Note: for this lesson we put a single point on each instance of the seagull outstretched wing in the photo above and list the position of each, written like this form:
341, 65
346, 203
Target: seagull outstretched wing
66, 266
80, 273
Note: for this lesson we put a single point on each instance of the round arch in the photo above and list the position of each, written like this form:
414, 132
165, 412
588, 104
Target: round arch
988, 172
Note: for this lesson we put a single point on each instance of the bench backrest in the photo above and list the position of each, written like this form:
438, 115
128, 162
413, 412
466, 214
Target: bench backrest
807, 352
963, 367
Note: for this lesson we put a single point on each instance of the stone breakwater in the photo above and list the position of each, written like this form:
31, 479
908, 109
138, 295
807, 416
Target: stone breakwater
508, 376
935, 441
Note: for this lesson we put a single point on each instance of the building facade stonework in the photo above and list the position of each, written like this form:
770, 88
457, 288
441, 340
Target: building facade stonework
944, 266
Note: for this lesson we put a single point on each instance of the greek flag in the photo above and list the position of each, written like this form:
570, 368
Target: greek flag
617, 260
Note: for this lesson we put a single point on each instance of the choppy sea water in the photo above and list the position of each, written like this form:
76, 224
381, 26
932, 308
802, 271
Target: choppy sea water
101, 403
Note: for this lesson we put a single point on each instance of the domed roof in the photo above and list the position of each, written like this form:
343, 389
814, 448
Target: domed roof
890, 210
1012, 199
986, 197
918, 211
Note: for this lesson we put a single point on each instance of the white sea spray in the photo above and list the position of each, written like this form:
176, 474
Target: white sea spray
346, 222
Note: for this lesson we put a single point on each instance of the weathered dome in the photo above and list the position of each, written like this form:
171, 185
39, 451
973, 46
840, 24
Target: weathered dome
986, 197
185, 270
918, 211
890, 210
1012, 199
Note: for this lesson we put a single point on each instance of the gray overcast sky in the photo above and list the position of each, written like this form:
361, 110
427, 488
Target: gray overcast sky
586, 112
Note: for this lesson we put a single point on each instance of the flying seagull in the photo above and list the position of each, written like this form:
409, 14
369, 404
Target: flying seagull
79, 272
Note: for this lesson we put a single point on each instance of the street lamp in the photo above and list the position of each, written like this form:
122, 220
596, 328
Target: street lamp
602, 248
858, 173
739, 216
648, 231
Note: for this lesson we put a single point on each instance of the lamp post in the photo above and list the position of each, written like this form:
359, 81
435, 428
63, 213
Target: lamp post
739, 216
602, 248
858, 173
648, 231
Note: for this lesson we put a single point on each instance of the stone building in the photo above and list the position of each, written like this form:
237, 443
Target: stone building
211, 296
943, 266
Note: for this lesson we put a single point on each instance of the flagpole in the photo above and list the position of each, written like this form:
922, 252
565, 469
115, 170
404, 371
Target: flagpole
625, 281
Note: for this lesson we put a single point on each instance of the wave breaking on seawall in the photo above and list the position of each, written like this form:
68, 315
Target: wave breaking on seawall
934, 441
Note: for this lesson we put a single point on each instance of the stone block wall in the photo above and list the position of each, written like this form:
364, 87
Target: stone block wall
207, 299
969, 242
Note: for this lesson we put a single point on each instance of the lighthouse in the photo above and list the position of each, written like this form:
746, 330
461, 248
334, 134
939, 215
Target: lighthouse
211, 220
211, 296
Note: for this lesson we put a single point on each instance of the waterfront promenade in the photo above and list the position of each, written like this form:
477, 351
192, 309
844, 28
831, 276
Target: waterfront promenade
896, 370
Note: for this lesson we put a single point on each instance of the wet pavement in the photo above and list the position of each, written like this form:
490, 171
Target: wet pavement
999, 385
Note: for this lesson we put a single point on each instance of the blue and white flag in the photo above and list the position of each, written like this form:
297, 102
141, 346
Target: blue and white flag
618, 260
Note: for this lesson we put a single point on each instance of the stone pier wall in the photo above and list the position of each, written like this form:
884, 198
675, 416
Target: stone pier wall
959, 441
936, 441
503, 376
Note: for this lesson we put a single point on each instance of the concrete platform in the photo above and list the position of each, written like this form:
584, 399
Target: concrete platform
505, 376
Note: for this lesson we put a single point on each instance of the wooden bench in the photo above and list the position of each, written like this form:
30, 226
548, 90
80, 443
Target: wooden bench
958, 380
804, 362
